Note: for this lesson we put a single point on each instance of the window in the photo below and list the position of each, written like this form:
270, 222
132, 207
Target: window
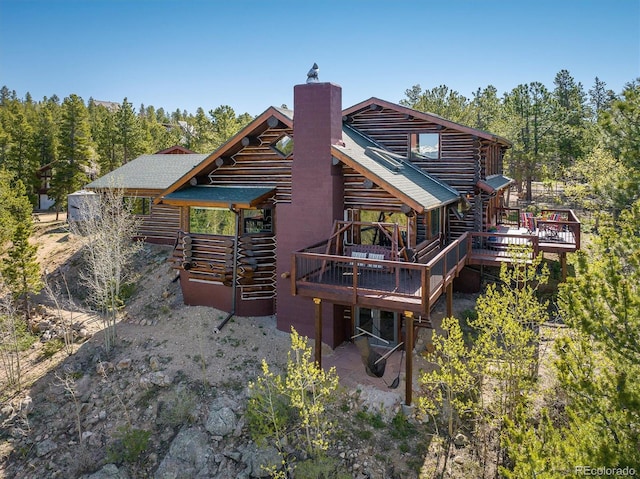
425, 146
139, 205
284, 145
428, 227
257, 221
434, 223
212, 221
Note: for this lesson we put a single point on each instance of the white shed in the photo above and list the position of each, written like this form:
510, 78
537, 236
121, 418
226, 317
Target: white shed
80, 203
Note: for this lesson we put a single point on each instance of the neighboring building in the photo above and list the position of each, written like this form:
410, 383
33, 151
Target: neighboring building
45, 174
143, 179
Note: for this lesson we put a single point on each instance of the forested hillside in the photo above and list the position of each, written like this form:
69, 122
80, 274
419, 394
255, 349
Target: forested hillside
567, 132
86, 139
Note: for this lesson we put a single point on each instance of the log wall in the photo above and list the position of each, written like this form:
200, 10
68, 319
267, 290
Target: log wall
161, 225
209, 258
360, 194
462, 161
257, 164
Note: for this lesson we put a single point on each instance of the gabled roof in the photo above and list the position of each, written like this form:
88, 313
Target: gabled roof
393, 173
176, 150
233, 145
431, 117
152, 172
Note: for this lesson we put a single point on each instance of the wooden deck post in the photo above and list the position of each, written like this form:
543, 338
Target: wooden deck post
318, 303
563, 263
450, 299
408, 349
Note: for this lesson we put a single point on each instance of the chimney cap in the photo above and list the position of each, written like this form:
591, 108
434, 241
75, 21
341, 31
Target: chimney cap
312, 75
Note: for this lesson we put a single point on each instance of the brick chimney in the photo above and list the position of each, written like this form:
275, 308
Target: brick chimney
316, 201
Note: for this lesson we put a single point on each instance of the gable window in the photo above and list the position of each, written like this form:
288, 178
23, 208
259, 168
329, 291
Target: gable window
212, 221
139, 205
284, 145
424, 146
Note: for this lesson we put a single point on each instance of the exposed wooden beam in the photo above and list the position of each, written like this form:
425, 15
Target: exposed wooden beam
408, 348
318, 352
272, 122
250, 141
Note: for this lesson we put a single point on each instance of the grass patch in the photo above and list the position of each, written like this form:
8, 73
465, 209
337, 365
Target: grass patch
51, 347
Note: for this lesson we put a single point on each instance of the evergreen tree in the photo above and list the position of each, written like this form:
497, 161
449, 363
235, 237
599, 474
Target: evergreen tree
621, 128
528, 109
226, 124
19, 267
600, 98
597, 367
487, 110
105, 135
130, 137
441, 101
569, 124
74, 152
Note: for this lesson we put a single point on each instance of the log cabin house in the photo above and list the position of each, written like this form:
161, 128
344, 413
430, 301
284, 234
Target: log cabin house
345, 220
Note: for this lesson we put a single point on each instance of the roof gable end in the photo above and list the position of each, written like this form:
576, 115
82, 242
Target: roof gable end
272, 117
374, 103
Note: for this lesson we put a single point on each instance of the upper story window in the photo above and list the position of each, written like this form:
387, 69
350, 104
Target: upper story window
424, 146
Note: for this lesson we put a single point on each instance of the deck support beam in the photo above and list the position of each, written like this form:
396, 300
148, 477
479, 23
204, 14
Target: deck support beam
563, 264
408, 348
450, 299
318, 352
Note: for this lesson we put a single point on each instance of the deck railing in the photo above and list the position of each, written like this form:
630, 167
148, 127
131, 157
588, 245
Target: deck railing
558, 229
376, 283
488, 248
508, 217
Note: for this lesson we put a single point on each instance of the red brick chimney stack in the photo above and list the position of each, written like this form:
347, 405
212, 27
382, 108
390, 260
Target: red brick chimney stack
316, 196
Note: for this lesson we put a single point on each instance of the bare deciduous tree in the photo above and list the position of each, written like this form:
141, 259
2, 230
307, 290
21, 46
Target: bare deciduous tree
107, 227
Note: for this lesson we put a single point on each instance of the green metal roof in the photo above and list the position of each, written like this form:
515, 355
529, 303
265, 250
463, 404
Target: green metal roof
396, 171
153, 172
221, 196
498, 182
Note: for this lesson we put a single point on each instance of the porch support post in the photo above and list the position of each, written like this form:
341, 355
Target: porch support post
563, 263
408, 349
450, 299
318, 352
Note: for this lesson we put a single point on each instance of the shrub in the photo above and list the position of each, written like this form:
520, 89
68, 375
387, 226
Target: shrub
128, 445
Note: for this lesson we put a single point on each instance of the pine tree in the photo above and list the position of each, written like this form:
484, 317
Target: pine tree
129, 134
75, 151
19, 268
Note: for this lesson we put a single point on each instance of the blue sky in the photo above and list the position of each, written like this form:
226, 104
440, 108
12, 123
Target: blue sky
249, 54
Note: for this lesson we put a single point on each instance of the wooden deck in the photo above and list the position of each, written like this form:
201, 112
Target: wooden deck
407, 286
391, 285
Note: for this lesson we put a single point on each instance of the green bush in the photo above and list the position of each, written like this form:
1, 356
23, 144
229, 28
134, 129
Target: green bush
178, 408
321, 468
129, 444
24, 338
52, 347
401, 428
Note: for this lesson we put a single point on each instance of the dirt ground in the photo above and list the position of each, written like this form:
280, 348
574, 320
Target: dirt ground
157, 328
157, 316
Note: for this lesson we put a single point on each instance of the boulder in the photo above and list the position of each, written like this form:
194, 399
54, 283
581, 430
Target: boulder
188, 456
